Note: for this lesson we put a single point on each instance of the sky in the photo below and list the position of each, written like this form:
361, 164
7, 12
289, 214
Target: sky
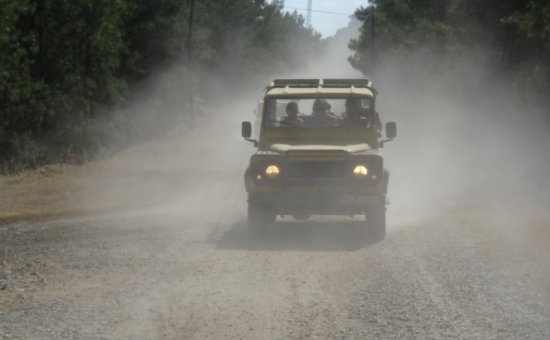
326, 23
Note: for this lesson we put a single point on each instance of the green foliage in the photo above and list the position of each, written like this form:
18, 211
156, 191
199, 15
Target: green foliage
529, 48
154, 33
69, 67
250, 37
515, 34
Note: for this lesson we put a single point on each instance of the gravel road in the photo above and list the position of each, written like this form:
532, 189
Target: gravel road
182, 265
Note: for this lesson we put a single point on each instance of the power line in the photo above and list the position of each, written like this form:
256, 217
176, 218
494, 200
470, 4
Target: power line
325, 12
308, 17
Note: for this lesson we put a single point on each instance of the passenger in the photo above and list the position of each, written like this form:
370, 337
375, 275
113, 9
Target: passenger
291, 118
358, 116
321, 116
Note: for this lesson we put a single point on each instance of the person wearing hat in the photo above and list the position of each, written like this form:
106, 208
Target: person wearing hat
358, 116
321, 116
291, 119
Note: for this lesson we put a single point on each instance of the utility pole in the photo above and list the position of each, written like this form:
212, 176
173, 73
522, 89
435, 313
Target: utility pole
308, 17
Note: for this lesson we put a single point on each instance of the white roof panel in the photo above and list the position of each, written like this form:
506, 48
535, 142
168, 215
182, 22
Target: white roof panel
307, 91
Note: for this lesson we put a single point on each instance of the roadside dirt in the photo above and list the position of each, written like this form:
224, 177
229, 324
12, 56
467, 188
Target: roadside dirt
152, 244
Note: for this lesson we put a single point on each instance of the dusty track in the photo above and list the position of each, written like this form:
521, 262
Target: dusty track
174, 260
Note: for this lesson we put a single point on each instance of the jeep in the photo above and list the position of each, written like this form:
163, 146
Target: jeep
318, 153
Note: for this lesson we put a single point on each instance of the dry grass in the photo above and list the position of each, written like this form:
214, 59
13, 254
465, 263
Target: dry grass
139, 176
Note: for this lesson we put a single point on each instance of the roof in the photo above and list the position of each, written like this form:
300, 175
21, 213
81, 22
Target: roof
340, 87
340, 92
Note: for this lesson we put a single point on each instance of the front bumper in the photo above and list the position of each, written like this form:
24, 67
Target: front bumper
318, 203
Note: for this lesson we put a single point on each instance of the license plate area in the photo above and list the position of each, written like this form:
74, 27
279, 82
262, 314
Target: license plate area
358, 200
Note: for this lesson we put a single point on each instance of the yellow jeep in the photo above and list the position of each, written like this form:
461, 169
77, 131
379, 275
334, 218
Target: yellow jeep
318, 152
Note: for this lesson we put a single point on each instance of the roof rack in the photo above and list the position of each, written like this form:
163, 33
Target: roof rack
347, 82
355, 82
296, 83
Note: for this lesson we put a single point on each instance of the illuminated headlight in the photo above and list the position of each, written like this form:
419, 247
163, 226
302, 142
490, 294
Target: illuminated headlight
360, 171
272, 171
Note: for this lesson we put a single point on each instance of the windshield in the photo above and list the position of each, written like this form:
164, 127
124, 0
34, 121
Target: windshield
318, 112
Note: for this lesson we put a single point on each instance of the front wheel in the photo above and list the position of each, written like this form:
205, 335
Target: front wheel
376, 222
260, 216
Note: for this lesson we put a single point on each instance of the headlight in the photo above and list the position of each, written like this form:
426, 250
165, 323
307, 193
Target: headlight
272, 171
360, 171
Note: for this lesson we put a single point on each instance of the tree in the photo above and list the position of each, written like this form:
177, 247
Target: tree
515, 35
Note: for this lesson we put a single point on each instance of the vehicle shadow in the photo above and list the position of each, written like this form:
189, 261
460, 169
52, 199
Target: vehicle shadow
295, 236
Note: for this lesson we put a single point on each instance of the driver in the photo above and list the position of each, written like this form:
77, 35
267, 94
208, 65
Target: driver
291, 118
358, 116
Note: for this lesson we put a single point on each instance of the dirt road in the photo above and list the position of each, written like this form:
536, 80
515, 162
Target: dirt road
172, 259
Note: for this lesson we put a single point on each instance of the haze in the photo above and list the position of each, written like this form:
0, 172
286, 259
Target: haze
162, 249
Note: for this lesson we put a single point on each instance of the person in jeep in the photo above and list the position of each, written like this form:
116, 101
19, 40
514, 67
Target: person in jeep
359, 114
321, 116
356, 115
291, 118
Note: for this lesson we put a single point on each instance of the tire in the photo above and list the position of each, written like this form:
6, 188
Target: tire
376, 222
260, 217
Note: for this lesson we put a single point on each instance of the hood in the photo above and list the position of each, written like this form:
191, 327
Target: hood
351, 148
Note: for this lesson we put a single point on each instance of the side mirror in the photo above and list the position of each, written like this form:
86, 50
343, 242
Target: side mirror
391, 130
246, 130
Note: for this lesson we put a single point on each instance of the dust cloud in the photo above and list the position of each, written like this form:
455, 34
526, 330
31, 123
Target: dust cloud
468, 152
463, 139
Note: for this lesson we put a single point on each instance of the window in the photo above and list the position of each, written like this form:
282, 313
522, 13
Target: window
318, 112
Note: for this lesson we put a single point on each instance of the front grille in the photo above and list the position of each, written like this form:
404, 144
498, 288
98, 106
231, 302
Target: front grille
316, 173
